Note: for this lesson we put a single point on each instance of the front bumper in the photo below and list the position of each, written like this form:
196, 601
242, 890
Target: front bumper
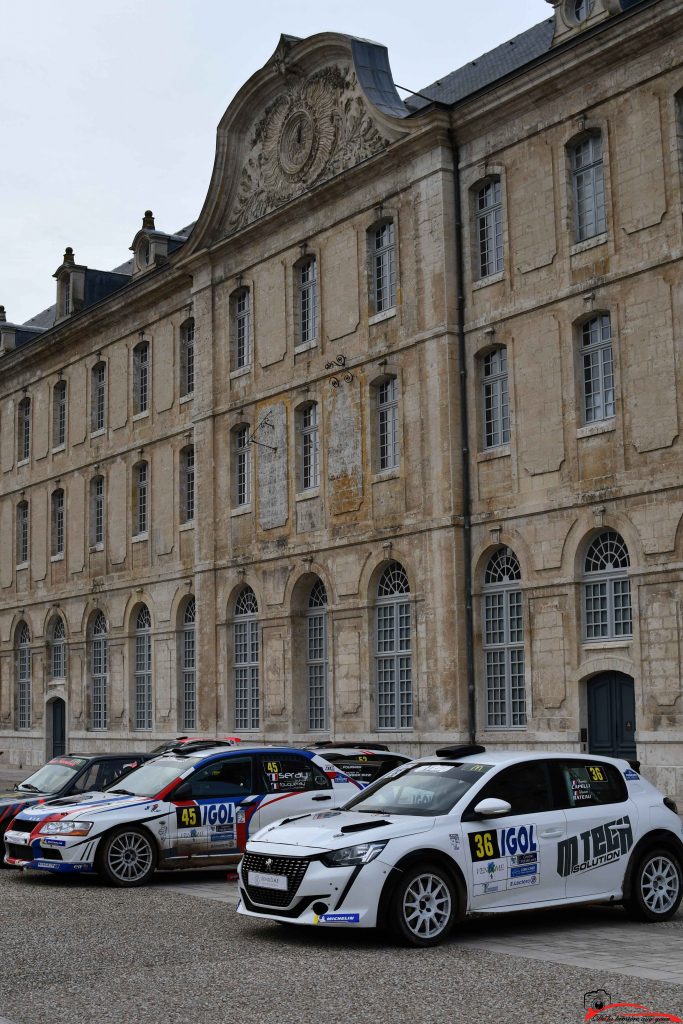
47, 853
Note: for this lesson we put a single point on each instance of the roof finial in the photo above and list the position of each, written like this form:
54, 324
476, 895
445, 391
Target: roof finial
68, 255
148, 220
3, 318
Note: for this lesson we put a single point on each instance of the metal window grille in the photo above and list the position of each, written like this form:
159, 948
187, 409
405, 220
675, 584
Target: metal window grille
99, 666
143, 669
187, 484
187, 358
99, 379
141, 497
310, 447
246, 655
496, 399
387, 422
22, 532
607, 590
308, 300
242, 449
589, 188
24, 676
598, 369
97, 510
24, 446
141, 377
242, 328
384, 267
503, 642
490, 228
188, 661
58, 650
58, 522
393, 650
316, 662
59, 414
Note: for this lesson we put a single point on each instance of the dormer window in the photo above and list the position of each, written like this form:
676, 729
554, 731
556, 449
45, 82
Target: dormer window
66, 295
143, 254
577, 11
150, 247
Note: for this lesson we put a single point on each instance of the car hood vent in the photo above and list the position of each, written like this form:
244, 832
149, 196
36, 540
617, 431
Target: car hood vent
361, 826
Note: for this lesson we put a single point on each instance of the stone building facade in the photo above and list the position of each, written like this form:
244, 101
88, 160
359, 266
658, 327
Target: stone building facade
385, 446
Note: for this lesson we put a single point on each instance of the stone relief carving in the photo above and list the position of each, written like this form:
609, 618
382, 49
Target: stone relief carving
316, 128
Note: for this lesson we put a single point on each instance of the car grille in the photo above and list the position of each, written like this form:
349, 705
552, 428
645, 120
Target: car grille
21, 825
294, 868
19, 852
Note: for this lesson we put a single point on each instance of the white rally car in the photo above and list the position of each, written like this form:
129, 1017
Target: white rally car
467, 831
192, 807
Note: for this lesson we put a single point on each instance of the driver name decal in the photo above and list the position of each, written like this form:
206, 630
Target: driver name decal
594, 847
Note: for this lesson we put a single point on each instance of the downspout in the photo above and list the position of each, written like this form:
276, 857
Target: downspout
464, 434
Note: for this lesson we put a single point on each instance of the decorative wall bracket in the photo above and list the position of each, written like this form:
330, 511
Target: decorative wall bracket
266, 422
335, 380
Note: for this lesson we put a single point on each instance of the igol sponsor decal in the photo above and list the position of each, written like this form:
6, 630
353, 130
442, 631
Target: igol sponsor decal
503, 842
594, 847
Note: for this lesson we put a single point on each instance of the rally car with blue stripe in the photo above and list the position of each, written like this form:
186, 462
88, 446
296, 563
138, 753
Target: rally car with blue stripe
192, 807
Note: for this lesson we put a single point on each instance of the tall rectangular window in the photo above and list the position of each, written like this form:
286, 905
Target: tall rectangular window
188, 660
496, 399
387, 423
187, 484
589, 188
98, 397
59, 414
310, 447
307, 286
187, 358
22, 533
57, 522
24, 430
141, 378
140, 498
241, 329
97, 511
490, 228
598, 369
383, 267
242, 464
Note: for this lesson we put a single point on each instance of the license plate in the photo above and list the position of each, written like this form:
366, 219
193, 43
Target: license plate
262, 881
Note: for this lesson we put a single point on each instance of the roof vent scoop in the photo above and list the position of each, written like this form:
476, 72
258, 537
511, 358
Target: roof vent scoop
461, 751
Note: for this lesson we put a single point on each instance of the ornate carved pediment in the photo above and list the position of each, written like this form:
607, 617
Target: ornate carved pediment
318, 126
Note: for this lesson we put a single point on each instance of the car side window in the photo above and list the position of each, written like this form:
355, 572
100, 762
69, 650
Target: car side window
113, 768
87, 781
287, 773
228, 777
364, 767
589, 784
526, 787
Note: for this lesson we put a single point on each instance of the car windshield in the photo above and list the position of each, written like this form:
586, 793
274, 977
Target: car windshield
423, 789
151, 778
53, 775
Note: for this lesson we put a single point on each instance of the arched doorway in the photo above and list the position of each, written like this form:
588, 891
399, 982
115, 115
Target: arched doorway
612, 715
57, 711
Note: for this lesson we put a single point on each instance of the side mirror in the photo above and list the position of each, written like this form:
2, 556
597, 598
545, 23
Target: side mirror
183, 792
492, 808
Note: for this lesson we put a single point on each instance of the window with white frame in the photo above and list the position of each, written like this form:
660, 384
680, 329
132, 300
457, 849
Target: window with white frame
316, 657
22, 533
57, 636
306, 298
57, 502
309, 446
388, 448
188, 666
496, 400
598, 369
382, 244
246, 654
393, 650
490, 227
588, 183
241, 460
240, 308
98, 397
141, 378
59, 414
24, 430
143, 669
66, 294
607, 589
97, 511
503, 637
187, 358
140, 498
24, 718
187, 484
99, 672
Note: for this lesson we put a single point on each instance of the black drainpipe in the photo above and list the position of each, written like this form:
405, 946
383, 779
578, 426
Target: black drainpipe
464, 433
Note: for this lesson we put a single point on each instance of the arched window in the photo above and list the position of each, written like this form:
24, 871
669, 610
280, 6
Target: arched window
581, 9
316, 658
140, 498
57, 519
97, 511
588, 185
59, 414
382, 260
387, 424
141, 378
490, 227
24, 430
393, 650
22, 533
143, 669
308, 444
23, 635
495, 398
188, 666
187, 358
306, 300
246, 648
241, 462
598, 369
504, 641
240, 328
57, 637
99, 669
607, 590
187, 484
98, 397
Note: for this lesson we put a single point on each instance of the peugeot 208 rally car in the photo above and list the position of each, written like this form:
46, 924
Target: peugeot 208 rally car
469, 831
192, 807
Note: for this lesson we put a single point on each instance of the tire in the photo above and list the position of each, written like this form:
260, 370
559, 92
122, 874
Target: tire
656, 886
127, 857
424, 906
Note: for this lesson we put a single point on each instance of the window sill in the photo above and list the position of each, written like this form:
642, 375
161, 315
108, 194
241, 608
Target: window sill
97, 547
505, 728
378, 318
241, 372
305, 347
386, 474
241, 510
139, 538
186, 398
58, 557
97, 433
58, 448
607, 644
501, 451
484, 282
600, 427
141, 416
23, 462
310, 492
588, 243
21, 566
189, 525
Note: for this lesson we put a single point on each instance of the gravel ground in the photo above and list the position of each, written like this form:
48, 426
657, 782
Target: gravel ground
76, 952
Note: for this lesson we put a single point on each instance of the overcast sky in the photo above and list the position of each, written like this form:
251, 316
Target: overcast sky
107, 109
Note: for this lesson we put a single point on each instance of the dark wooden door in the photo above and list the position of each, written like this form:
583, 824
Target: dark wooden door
612, 715
58, 728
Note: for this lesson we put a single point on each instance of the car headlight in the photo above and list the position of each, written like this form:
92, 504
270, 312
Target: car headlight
352, 856
66, 828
